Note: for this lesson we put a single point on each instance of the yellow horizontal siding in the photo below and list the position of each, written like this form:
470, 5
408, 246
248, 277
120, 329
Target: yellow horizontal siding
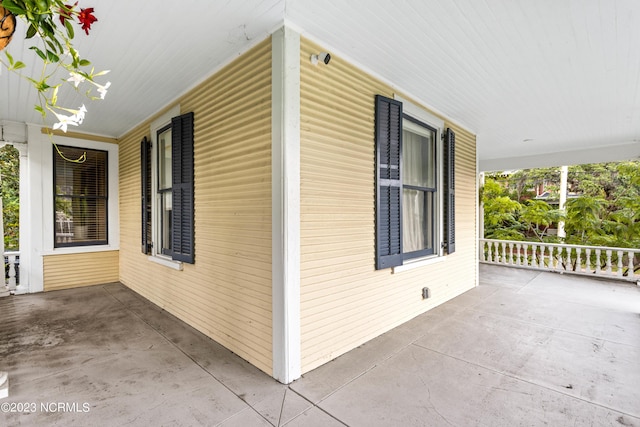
344, 300
226, 294
74, 270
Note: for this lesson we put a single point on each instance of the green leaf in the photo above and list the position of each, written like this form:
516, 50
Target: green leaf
39, 52
69, 27
52, 56
18, 65
13, 7
42, 5
31, 31
51, 45
40, 110
10, 58
84, 63
54, 96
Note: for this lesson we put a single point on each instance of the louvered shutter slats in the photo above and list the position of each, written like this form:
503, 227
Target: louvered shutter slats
182, 226
388, 183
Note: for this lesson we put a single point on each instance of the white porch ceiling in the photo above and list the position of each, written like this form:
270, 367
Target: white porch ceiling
531, 78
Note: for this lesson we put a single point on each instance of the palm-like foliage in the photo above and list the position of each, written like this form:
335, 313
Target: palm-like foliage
583, 222
538, 216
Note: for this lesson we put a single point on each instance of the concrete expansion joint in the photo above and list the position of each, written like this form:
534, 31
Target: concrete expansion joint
313, 406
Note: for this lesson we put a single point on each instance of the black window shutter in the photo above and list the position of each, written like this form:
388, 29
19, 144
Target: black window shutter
182, 232
145, 184
388, 133
450, 195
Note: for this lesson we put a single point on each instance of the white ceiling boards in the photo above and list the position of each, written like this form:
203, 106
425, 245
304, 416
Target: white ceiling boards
530, 78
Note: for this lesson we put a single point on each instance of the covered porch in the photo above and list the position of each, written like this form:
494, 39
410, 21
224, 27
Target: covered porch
523, 348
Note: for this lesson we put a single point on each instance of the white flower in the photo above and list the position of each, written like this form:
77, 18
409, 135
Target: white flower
76, 79
79, 116
102, 90
65, 121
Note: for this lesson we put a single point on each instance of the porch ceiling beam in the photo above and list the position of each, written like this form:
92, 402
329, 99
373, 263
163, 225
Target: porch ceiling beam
611, 153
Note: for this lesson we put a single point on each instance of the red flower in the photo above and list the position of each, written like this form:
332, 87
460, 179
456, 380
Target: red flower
65, 12
86, 18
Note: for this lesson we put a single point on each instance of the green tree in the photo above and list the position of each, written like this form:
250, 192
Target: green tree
500, 213
521, 184
606, 212
10, 188
538, 216
622, 226
583, 221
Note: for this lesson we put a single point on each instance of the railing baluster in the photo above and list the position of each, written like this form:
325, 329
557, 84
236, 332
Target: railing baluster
620, 266
12, 273
608, 252
577, 259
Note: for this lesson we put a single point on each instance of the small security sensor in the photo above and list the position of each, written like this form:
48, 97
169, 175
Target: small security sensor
322, 56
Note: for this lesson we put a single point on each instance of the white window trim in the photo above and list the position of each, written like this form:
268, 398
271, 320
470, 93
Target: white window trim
417, 263
167, 262
113, 223
419, 113
156, 125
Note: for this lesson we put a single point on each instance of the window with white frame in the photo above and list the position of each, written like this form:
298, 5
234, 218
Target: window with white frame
80, 196
420, 189
415, 186
167, 191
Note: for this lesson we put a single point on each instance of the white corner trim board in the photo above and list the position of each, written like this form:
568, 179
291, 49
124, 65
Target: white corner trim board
286, 204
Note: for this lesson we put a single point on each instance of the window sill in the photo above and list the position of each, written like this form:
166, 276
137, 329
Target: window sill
422, 262
176, 265
67, 250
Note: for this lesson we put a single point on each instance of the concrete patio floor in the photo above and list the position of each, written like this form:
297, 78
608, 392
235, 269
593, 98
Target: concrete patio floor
522, 349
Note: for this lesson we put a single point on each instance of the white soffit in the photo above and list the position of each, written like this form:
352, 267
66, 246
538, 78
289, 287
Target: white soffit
528, 77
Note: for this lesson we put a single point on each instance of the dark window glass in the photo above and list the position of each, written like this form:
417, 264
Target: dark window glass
80, 196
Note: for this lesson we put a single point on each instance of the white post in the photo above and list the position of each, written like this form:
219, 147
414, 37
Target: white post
23, 224
286, 204
481, 213
4, 288
564, 172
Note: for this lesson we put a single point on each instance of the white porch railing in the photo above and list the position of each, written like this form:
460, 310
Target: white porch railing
11, 278
599, 261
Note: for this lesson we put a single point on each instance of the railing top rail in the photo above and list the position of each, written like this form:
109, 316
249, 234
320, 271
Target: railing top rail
562, 245
6, 253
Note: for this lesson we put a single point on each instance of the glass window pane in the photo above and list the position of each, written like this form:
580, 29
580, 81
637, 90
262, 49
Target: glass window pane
165, 222
164, 159
81, 172
418, 157
417, 221
80, 182
80, 220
